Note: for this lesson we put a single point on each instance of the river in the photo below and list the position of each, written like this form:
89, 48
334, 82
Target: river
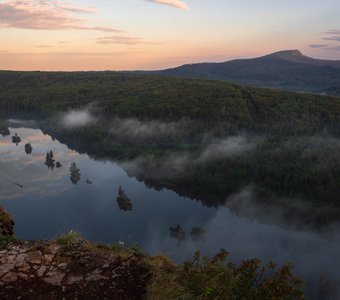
47, 199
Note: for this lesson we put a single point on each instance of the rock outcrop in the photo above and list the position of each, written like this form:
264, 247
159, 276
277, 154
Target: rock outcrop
80, 270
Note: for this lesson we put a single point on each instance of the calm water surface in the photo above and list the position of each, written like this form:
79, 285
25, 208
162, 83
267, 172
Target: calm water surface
46, 201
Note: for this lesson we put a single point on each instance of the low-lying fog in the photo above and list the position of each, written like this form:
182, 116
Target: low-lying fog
54, 200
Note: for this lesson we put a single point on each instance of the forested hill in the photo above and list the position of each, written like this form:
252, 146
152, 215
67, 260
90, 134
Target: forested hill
290, 70
293, 139
215, 103
333, 91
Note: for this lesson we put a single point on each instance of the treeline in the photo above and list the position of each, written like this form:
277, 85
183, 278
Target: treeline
296, 165
298, 173
220, 106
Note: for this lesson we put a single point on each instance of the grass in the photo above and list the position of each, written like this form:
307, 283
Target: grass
74, 238
68, 239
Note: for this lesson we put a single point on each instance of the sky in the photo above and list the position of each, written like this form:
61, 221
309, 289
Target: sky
155, 34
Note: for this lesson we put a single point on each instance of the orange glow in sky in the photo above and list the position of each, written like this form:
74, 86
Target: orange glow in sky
156, 34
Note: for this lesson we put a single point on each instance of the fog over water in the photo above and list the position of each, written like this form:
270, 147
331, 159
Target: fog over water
55, 200
77, 118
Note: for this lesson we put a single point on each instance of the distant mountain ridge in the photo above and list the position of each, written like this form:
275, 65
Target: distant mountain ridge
288, 69
297, 57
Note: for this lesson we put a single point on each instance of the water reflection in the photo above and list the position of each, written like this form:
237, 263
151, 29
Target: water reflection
177, 233
49, 161
25, 176
28, 148
197, 234
74, 173
4, 131
160, 221
123, 201
16, 139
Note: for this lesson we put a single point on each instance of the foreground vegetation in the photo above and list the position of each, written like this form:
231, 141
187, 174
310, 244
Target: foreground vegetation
155, 277
218, 278
160, 128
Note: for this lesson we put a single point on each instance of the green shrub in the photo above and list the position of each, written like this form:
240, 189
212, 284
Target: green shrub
217, 278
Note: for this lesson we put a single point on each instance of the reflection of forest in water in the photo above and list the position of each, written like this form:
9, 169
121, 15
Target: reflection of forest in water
110, 208
81, 146
196, 234
50, 162
4, 131
123, 201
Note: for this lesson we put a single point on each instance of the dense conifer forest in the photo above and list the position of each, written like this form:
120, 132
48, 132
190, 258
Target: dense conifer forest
287, 144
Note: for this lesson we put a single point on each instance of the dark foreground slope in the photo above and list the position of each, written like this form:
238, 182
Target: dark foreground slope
290, 70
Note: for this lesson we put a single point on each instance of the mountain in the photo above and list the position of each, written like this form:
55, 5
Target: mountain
289, 69
297, 57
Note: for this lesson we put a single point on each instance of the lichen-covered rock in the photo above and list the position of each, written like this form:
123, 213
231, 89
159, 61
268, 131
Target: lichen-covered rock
47, 270
6, 223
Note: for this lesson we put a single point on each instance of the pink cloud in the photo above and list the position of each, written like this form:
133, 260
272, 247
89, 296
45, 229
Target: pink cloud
67, 6
334, 31
45, 15
124, 40
173, 3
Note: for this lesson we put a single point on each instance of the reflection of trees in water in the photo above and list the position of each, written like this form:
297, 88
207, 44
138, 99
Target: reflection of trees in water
16, 139
75, 173
123, 201
28, 148
4, 131
327, 288
197, 234
49, 161
177, 233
